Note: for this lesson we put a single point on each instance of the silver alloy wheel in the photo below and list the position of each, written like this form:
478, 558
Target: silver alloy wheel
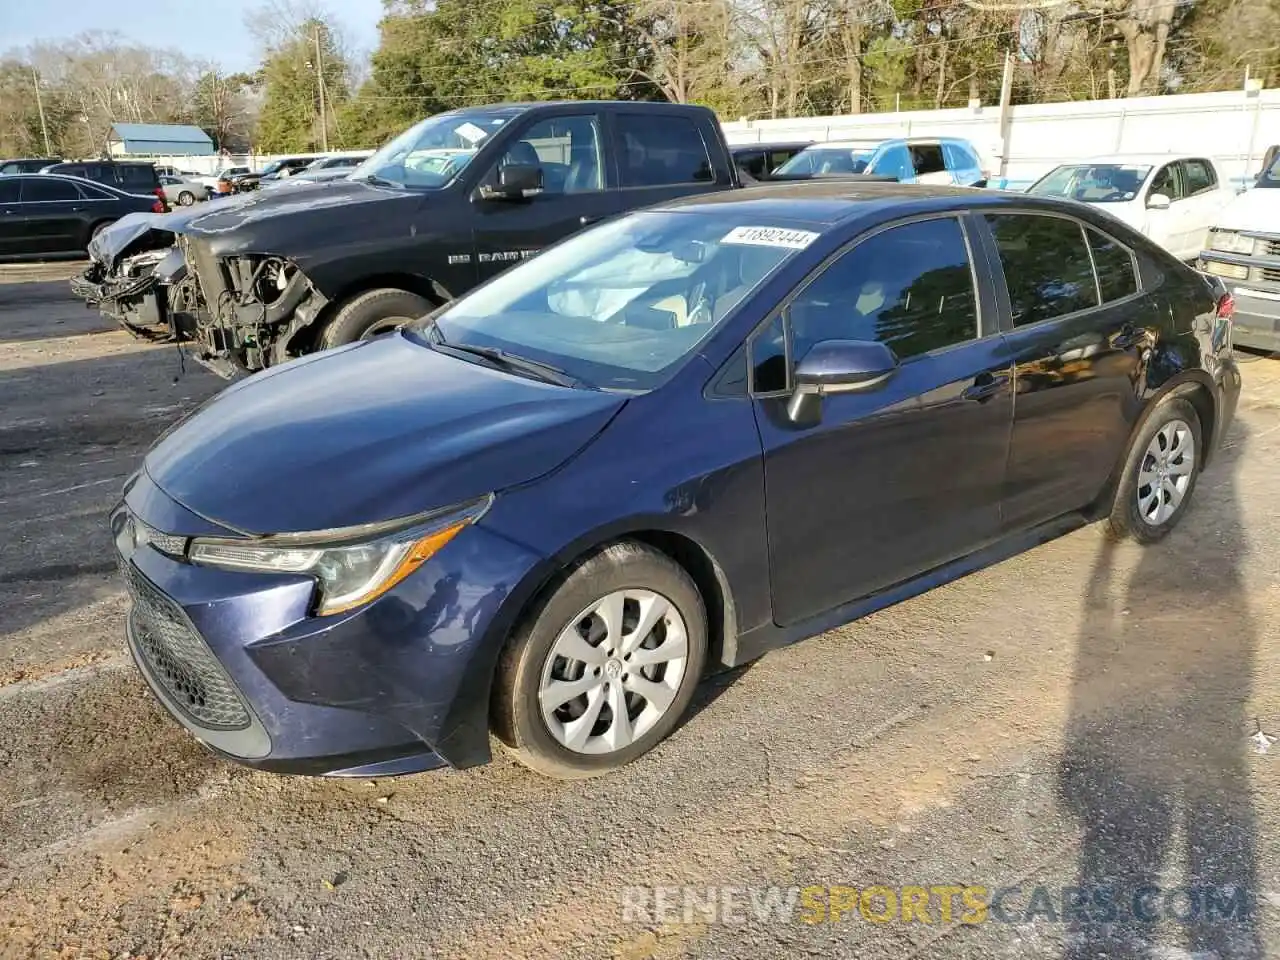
614, 671
1165, 472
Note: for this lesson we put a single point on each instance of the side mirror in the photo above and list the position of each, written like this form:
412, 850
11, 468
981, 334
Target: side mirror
1158, 201
840, 366
515, 180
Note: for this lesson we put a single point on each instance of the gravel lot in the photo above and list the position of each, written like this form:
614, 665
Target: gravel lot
1079, 714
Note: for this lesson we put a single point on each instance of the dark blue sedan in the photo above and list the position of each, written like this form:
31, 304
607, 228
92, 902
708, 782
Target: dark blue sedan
674, 441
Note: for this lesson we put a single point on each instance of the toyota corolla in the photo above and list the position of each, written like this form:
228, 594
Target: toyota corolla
672, 442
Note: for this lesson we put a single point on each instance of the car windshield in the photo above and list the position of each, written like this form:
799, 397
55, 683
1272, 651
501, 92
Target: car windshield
620, 306
1093, 182
434, 151
829, 160
1270, 177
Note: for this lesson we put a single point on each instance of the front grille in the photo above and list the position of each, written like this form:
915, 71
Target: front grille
1269, 274
179, 661
1269, 247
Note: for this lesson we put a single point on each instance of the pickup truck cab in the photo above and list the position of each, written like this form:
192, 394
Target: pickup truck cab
446, 205
1243, 250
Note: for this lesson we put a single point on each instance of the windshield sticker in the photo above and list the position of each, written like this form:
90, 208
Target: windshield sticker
770, 237
470, 132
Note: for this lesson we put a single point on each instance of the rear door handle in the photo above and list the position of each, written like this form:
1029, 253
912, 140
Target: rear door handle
584, 219
985, 386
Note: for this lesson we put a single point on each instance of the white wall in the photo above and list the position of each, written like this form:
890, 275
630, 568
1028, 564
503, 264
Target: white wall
1235, 128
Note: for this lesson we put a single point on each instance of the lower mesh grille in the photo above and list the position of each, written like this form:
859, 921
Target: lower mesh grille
179, 661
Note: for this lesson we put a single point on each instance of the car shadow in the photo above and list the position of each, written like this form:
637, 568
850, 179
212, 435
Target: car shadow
1157, 742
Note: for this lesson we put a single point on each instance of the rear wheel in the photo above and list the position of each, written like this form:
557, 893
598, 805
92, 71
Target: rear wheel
1160, 473
603, 670
186, 198
371, 313
97, 228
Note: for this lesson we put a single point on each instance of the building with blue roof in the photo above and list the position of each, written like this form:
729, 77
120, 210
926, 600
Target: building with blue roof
158, 140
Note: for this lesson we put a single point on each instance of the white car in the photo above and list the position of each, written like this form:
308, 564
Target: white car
1174, 200
1243, 248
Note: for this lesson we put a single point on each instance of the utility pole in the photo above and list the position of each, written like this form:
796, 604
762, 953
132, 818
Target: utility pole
44, 128
324, 120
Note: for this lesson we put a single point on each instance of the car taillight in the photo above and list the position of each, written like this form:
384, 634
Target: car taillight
1226, 306
158, 206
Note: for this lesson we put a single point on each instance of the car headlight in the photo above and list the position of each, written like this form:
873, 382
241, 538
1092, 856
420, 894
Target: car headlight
1228, 241
353, 565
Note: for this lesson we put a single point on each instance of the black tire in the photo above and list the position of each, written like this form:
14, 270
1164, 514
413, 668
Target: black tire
517, 715
1126, 518
186, 198
98, 227
370, 313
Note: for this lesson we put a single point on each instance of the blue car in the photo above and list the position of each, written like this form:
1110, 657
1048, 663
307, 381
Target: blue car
930, 160
668, 444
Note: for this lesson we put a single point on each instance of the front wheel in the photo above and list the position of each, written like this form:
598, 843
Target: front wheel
1160, 473
372, 313
603, 670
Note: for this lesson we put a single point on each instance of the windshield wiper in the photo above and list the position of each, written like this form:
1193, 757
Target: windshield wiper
375, 179
511, 361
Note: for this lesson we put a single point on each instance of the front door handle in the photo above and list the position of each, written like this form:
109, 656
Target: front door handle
985, 386
584, 219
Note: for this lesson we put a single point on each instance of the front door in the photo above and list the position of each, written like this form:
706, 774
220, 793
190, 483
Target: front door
889, 483
51, 215
1169, 228
12, 232
575, 192
1075, 360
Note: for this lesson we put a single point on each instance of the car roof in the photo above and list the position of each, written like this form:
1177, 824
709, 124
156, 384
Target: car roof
879, 141
1133, 159
825, 203
66, 176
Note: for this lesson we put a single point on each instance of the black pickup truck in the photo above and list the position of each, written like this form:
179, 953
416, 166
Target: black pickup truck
259, 279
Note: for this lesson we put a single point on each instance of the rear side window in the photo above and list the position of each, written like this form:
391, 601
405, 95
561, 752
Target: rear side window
37, 190
927, 158
661, 150
1114, 265
752, 163
1046, 266
1198, 175
910, 287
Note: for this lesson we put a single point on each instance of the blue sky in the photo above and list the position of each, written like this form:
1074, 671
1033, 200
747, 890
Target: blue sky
201, 29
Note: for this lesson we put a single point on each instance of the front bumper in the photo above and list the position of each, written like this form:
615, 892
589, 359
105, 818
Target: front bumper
398, 686
1256, 323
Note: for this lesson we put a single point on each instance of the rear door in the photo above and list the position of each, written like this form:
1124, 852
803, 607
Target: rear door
575, 191
52, 212
888, 483
1076, 339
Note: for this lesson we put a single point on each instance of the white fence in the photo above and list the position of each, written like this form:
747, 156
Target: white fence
1234, 128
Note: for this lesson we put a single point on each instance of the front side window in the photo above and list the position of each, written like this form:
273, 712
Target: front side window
9, 189
1046, 266
40, 190
434, 151
894, 162
619, 306
910, 287
1168, 180
1093, 182
661, 150
959, 157
567, 149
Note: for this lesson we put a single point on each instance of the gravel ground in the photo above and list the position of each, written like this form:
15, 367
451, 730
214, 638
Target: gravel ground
1081, 715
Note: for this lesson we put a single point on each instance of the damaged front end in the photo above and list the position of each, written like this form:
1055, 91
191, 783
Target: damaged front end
138, 278
254, 306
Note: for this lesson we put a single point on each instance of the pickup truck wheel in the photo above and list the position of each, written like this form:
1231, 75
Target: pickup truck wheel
371, 313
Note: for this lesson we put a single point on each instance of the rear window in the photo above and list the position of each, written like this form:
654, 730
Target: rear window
137, 176
661, 150
959, 157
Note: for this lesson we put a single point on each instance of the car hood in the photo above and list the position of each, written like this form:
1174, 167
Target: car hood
369, 432
1256, 209
128, 232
